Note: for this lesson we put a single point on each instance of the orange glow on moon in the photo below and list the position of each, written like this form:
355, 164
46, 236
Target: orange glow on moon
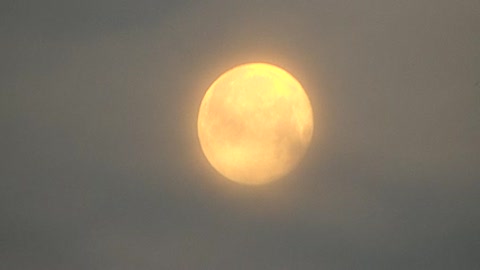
255, 123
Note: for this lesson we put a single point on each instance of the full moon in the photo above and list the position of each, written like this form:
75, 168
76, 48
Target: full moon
255, 123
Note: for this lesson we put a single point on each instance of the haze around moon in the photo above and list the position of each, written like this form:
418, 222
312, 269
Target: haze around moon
255, 123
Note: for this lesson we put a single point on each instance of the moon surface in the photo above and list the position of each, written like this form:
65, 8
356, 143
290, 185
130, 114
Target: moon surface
255, 123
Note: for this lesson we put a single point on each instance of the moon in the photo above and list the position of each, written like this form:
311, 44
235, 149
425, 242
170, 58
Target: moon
255, 123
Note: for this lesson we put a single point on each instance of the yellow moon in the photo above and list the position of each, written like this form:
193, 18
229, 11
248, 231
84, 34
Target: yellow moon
255, 123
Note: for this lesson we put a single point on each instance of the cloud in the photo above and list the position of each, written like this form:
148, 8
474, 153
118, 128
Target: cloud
101, 167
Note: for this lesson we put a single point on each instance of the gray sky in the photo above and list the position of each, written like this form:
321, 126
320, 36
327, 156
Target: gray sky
101, 167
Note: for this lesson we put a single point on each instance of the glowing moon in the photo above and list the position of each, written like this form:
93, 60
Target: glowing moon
255, 123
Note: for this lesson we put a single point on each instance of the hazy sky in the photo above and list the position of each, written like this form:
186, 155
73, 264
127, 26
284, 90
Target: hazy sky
101, 167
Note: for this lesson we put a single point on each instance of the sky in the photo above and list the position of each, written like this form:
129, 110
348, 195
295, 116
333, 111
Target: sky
101, 167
